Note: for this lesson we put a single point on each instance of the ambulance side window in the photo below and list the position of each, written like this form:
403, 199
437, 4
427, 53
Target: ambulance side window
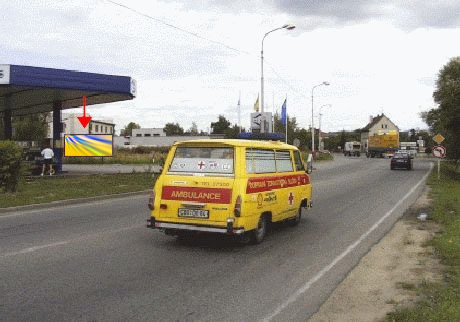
298, 161
283, 161
260, 161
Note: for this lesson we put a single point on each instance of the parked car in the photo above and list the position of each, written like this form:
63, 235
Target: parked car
401, 160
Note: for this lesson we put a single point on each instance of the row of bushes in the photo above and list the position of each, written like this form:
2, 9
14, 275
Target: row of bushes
10, 165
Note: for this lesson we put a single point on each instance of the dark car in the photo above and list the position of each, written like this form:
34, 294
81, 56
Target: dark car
401, 160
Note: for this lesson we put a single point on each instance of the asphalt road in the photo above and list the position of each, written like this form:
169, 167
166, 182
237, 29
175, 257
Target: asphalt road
97, 262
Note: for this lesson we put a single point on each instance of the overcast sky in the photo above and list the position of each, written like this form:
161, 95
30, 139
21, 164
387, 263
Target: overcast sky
192, 59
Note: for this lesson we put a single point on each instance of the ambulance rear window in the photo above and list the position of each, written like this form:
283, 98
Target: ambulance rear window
203, 160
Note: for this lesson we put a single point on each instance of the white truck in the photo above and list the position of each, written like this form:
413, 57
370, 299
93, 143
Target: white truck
352, 148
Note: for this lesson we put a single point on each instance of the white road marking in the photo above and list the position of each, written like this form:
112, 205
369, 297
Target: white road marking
347, 251
35, 248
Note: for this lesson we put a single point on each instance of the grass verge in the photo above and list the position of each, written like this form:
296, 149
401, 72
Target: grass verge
441, 301
319, 156
324, 157
47, 189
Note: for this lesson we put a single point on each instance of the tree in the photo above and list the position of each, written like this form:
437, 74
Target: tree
32, 127
128, 130
2, 129
279, 127
193, 129
220, 126
233, 132
173, 129
446, 118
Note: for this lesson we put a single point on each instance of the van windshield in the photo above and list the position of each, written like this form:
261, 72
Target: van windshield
202, 160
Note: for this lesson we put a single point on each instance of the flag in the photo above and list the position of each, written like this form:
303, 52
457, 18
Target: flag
284, 114
256, 105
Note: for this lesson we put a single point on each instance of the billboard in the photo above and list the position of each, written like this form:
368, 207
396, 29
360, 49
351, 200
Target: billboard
88, 145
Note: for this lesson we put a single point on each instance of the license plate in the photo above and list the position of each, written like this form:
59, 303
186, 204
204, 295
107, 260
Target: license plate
193, 213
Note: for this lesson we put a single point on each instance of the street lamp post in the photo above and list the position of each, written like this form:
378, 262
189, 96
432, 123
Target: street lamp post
288, 27
319, 125
312, 117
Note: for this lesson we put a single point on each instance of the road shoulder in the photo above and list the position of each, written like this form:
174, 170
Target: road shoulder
59, 203
385, 278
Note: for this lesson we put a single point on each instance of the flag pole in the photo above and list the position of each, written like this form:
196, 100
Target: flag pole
239, 112
286, 125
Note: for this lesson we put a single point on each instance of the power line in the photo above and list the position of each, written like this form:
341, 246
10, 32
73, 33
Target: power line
194, 34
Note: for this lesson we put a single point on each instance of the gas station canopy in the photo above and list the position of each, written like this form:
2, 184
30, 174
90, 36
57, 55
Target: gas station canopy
29, 90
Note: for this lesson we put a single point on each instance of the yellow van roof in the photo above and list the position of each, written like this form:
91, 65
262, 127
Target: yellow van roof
244, 143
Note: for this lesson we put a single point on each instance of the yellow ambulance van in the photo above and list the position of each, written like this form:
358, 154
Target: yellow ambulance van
229, 186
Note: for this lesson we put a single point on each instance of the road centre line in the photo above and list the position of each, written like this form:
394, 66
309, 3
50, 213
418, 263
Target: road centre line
64, 242
348, 250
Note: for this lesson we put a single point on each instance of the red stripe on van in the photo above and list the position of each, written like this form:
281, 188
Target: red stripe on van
262, 184
207, 195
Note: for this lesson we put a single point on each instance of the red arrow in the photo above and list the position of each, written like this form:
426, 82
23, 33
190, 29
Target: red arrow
84, 120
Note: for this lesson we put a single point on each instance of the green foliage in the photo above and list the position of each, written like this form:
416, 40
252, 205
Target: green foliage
233, 132
128, 130
324, 156
334, 141
173, 129
10, 165
291, 127
30, 127
446, 118
2, 129
221, 126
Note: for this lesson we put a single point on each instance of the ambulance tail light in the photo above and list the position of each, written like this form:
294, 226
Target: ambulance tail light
152, 200
237, 210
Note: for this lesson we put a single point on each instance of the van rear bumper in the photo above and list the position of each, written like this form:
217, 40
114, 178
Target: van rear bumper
151, 223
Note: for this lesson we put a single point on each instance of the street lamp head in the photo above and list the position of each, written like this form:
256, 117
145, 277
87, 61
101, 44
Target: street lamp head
289, 27
326, 83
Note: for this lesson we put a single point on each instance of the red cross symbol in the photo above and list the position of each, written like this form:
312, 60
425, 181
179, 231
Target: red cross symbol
201, 165
291, 198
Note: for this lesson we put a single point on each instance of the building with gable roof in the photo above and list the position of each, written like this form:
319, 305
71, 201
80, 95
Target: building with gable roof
377, 125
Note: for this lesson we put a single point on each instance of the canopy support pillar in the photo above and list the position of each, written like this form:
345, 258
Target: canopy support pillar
57, 143
7, 119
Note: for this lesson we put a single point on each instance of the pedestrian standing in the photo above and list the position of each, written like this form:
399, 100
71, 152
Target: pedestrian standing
48, 155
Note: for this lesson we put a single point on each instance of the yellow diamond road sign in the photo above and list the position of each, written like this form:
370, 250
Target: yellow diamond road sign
438, 138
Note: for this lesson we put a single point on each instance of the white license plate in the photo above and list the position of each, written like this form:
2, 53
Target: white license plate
193, 213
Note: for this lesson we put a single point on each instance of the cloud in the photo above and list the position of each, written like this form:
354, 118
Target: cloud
100, 37
308, 15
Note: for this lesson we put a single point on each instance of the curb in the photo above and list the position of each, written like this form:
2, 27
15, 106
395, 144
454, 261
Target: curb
65, 202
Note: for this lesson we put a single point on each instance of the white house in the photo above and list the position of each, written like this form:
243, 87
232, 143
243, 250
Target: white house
71, 125
377, 125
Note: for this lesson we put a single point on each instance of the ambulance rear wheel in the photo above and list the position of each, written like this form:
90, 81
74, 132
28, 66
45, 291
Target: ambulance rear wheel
258, 234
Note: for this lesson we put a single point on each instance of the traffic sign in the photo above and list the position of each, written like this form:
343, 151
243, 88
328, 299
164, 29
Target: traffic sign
438, 138
439, 151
